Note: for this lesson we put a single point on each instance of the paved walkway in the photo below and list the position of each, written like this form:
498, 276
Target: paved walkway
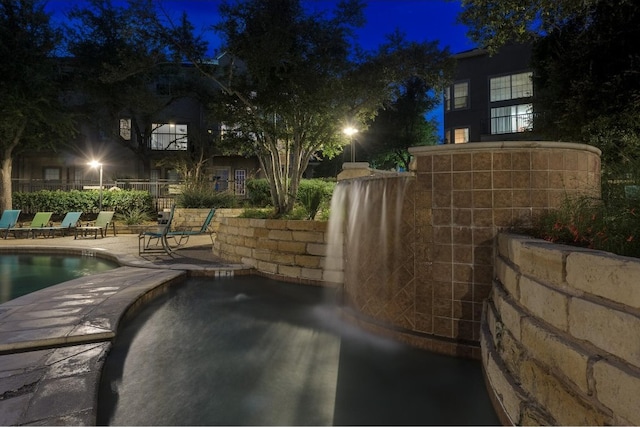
53, 342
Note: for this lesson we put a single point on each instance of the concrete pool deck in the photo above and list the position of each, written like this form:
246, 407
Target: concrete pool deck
53, 342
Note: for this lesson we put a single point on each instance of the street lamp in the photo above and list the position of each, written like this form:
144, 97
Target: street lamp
95, 164
350, 131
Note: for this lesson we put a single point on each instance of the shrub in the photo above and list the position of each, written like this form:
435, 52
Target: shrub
60, 202
314, 195
258, 193
206, 198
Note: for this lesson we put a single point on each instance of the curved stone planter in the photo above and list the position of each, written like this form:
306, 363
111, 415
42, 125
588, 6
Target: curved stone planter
560, 341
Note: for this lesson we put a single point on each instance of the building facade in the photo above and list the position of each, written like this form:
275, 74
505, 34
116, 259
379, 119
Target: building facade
139, 149
491, 98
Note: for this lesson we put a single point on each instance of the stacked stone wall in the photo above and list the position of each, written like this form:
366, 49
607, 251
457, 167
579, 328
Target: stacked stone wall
560, 337
285, 249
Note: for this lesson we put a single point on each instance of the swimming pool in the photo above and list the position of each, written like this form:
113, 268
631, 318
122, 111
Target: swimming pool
253, 351
24, 273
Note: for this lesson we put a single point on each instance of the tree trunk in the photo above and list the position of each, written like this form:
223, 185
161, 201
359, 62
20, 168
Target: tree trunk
5, 183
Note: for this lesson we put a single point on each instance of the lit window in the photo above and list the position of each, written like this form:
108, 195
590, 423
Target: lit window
511, 87
461, 136
169, 136
460, 97
512, 119
125, 129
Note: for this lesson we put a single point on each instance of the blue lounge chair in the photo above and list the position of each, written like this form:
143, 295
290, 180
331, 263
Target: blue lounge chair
181, 236
40, 220
160, 237
68, 224
8, 220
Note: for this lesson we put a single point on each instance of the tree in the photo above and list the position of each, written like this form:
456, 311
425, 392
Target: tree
31, 116
300, 82
129, 70
588, 83
585, 61
401, 125
493, 23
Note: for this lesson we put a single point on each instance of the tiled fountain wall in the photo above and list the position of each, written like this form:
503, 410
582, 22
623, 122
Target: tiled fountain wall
425, 277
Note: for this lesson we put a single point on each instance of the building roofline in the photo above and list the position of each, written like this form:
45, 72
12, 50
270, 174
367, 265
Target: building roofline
478, 51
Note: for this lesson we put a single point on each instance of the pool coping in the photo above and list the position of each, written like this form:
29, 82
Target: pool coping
53, 342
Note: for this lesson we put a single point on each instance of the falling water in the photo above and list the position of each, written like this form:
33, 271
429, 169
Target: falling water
366, 231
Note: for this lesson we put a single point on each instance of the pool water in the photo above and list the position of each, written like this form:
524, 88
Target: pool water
253, 351
21, 274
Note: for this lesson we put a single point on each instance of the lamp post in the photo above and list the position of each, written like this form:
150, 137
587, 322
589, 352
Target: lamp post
95, 164
350, 131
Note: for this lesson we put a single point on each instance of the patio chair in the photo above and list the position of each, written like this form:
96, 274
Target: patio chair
181, 236
160, 236
68, 224
8, 220
100, 225
40, 219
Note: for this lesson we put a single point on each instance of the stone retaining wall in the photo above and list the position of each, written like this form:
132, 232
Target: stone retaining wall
560, 341
284, 249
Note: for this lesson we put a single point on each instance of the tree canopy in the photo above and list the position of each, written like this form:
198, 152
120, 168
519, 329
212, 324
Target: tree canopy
302, 79
31, 115
128, 66
400, 125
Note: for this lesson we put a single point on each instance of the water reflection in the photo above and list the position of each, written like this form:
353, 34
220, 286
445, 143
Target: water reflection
251, 351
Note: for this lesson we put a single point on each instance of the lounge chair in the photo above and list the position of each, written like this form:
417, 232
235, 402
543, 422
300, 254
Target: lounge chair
160, 236
40, 220
181, 236
68, 224
101, 225
8, 220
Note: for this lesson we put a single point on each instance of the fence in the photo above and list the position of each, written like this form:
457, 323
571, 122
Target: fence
163, 192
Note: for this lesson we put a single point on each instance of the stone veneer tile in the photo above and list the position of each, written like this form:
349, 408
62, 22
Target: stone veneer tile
481, 161
442, 199
443, 326
462, 199
442, 235
482, 217
483, 255
424, 181
463, 254
503, 217
423, 199
442, 163
521, 161
540, 160
441, 216
540, 179
483, 236
540, 198
442, 271
461, 162
521, 179
462, 291
482, 180
442, 253
483, 275
443, 290
442, 307
423, 217
424, 322
463, 329
462, 181
502, 161
461, 236
522, 198
462, 273
462, 217
571, 160
442, 182
481, 292
556, 162
503, 198
425, 164
482, 199
502, 179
